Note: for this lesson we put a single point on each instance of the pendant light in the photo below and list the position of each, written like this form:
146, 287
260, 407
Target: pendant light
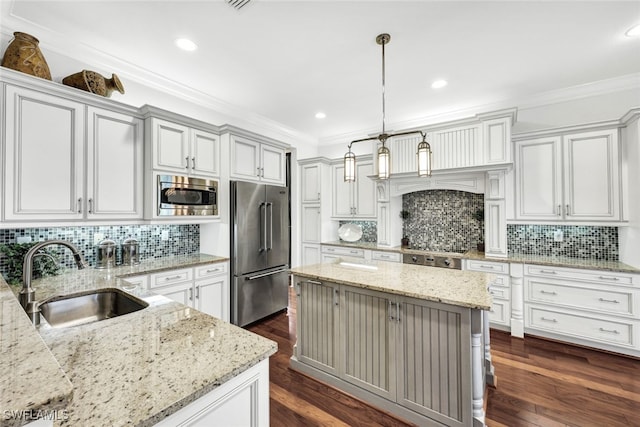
384, 154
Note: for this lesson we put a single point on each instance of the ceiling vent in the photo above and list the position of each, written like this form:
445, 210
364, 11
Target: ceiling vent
238, 4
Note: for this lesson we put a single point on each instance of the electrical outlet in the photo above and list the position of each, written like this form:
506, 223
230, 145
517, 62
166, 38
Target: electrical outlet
23, 239
165, 235
558, 236
98, 237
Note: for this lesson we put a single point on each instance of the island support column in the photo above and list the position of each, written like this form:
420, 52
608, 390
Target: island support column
477, 365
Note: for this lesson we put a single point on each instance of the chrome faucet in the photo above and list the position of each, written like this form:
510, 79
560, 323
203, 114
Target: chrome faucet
27, 294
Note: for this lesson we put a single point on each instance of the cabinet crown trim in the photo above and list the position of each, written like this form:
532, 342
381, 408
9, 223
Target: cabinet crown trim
243, 133
149, 111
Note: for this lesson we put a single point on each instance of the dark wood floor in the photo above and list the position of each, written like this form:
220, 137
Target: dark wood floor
540, 383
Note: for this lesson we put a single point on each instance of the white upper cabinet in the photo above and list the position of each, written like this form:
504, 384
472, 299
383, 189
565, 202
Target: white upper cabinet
354, 199
183, 149
115, 165
573, 177
311, 175
46, 175
253, 160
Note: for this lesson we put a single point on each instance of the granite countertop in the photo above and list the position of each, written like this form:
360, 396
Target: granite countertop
556, 261
130, 370
455, 287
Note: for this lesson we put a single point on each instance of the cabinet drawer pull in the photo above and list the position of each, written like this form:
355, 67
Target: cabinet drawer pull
548, 272
197, 292
548, 292
383, 256
193, 162
544, 319
313, 282
559, 210
190, 294
613, 301
330, 250
611, 331
90, 206
353, 252
336, 297
179, 276
187, 162
490, 267
213, 270
391, 318
608, 278
80, 205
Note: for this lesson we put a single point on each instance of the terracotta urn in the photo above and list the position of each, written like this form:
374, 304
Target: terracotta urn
94, 82
23, 54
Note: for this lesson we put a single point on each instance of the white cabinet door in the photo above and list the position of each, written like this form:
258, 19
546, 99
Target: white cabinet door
212, 297
181, 292
341, 197
354, 199
311, 176
245, 159
539, 179
591, 176
44, 163
311, 221
364, 196
273, 164
205, 153
171, 146
115, 163
311, 254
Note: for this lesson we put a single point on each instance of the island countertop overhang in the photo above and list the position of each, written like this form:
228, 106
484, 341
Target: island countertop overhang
455, 287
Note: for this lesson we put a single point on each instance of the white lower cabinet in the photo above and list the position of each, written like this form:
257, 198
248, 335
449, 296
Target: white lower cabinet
500, 289
311, 254
243, 401
334, 253
205, 288
588, 307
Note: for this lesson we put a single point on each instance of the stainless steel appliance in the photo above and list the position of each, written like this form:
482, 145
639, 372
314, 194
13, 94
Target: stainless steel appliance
183, 195
259, 250
434, 260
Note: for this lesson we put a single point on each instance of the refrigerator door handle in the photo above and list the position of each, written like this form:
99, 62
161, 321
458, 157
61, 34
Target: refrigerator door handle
263, 227
271, 273
270, 244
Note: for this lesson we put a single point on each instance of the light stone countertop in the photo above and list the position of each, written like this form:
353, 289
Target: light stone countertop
455, 287
550, 261
131, 370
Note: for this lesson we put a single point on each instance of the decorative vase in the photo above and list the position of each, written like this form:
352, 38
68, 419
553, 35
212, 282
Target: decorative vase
93, 82
24, 55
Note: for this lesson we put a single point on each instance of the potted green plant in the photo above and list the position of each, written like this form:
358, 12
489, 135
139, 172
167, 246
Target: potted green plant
404, 214
478, 215
14, 253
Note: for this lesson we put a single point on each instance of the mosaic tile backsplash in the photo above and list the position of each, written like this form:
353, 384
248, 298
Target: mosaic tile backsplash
586, 242
182, 239
369, 230
442, 220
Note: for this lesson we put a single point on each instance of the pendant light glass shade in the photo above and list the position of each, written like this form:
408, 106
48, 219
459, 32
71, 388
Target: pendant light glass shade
384, 162
424, 159
349, 166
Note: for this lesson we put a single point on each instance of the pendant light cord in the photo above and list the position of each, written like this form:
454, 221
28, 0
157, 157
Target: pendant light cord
383, 88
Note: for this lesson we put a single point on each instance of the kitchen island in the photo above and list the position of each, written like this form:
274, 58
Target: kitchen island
404, 338
160, 365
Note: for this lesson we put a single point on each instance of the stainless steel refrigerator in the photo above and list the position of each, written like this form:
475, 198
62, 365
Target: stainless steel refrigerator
259, 250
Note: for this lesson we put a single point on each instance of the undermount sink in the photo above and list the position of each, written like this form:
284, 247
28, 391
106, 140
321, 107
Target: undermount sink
74, 310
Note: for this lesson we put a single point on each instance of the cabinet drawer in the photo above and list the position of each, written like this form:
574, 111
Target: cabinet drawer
141, 281
171, 277
598, 276
488, 266
499, 292
385, 256
607, 300
500, 312
210, 270
341, 251
582, 326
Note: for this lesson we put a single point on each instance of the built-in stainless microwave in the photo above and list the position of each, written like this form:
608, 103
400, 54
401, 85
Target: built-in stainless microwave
182, 195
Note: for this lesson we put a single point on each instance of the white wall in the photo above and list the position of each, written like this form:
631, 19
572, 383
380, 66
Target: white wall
630, 236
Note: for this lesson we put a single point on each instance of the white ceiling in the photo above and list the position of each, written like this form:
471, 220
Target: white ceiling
287, 60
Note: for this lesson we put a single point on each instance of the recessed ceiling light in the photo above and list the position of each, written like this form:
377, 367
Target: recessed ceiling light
633, 31
186, 44
320, 115
438, 84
